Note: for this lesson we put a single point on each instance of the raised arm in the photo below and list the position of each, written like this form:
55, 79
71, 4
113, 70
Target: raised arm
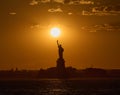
57, 43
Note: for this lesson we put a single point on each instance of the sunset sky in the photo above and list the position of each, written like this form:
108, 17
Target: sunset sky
90, 33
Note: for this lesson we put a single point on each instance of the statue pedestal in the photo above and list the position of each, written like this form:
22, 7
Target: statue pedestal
61, 67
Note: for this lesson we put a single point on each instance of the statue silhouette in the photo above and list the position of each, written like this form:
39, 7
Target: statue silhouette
61, 71
60, 50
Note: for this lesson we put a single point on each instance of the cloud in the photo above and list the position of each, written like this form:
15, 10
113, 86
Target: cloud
70, 2
55, 10
101, 28
35, 26
44, 1
102, 11
86, 2
59, 1
12, 13
70, 13
34, 2
38, 26
114, 13
82, 2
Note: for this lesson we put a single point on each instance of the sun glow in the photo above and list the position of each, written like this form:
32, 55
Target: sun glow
55, 32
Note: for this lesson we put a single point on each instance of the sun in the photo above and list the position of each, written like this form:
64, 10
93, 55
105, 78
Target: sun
55, 31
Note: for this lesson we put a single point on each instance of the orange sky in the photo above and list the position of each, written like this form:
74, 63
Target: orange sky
89, 39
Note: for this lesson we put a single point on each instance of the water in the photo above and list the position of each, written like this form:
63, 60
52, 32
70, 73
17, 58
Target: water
60, 87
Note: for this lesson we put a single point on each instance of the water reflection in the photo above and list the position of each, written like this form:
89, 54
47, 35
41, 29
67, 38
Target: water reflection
60, 87
57, 87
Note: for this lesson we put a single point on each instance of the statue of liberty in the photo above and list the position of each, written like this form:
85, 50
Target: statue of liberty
61, 62
60, 50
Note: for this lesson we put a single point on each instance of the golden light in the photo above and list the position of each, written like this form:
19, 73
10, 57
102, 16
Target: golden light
55, 32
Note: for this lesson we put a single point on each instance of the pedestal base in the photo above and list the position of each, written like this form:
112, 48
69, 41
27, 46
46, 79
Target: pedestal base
61, 68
